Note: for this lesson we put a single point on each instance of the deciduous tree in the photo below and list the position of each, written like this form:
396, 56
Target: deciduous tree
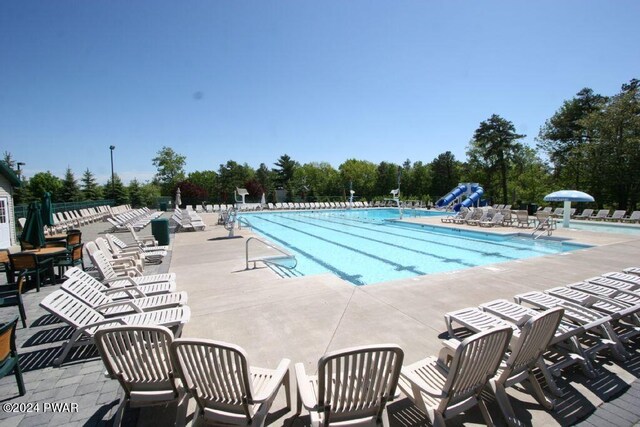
170, 168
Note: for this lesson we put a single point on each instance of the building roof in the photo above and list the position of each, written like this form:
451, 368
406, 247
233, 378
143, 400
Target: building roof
6, 171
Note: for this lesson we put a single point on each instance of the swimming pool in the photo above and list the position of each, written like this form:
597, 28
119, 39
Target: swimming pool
369, 246
604, 227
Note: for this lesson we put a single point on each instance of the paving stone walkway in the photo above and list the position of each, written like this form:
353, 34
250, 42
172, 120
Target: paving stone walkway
88, 398
91, 399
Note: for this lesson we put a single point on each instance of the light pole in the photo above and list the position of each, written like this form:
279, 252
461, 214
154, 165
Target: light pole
19, 171
113, 185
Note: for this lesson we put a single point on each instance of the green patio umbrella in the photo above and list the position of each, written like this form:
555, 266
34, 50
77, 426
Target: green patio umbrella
47, 210
33, 231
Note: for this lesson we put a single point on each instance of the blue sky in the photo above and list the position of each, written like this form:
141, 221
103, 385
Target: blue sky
320, 81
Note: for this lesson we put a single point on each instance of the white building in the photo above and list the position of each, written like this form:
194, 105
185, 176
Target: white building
8, 181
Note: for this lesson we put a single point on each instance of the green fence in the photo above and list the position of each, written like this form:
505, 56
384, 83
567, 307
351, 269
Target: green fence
20, 211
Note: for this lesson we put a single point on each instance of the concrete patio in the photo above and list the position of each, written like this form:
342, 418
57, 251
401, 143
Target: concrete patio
302, 318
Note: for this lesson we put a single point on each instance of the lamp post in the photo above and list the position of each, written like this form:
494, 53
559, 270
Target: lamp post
19, 171
113, 185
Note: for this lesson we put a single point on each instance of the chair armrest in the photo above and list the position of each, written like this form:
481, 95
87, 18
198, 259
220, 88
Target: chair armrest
417, 382
108, 305
11, 293
125, 270
447, 351
305, 392
129, 279
133, 292
45, 261
524, 319
122, 261
274, 382
118, 320
57, 244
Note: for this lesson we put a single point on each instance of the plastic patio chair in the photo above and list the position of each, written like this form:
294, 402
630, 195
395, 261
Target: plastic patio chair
31, 265
226, 388
72, 259
8, 353
11, 296
335, 394
526, 355
452, 383
139, 358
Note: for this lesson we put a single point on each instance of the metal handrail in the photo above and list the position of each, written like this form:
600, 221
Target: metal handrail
246, 222
546, 225
266, 260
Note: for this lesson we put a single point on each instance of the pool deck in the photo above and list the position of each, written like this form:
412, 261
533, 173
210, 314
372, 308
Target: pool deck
302, 318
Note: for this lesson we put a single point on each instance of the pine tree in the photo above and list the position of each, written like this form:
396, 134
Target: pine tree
70, 191
117, 192
135, 195
90, 188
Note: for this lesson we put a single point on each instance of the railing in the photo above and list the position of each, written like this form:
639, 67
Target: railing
244, 221
283, 260
545, 226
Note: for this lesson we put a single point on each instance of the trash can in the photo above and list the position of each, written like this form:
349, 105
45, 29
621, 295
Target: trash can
163, 206
160, 230
533, 208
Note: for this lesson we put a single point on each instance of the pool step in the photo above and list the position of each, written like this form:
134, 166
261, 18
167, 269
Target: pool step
284, 272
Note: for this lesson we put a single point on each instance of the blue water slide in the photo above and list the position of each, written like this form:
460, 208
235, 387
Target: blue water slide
456, 192
477, 192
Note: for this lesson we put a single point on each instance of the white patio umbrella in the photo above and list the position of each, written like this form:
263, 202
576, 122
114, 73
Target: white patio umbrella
567, 196
263, 200
178, 198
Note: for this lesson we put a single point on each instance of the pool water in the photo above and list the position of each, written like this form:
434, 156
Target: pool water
604, 227
370, 246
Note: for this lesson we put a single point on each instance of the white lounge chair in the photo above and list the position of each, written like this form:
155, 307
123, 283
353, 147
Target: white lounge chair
616, 309
126, 276
145, 241
120, 265
634, 217
463, 219
585, 214
495, 220
101, 243
139, 358
601, 215
616, 216
452, 383
523, 220
120, 248
336, 394
129, 287
627, 297
86, 321
629, 278
590, 319
104, 303
227, 390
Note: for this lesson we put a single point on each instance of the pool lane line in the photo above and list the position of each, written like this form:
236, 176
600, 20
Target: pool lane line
399, 267
351, 278
429, 232
417, 251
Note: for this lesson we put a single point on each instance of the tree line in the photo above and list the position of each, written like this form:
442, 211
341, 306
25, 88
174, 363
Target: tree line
591, 144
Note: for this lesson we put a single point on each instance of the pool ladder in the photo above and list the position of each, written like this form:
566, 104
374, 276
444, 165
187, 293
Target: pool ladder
546, 226
286, 260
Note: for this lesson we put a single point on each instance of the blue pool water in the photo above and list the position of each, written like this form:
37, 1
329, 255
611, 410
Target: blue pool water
604, 227
368, 246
